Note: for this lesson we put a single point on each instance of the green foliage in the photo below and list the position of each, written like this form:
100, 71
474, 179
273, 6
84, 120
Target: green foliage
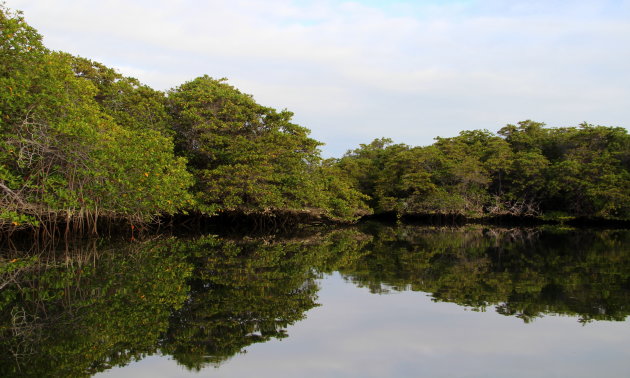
363, 165
336, 194
78, 140
141, 176
130, 103
580, 170
526, 169
81, 141
249, 158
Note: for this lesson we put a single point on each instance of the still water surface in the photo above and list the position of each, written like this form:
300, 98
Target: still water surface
371, 302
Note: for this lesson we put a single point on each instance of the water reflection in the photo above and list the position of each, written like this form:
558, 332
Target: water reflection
523, 272
202, 300
249, 291
88, 308
83, 311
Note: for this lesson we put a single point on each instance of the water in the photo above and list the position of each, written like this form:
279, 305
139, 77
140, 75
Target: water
370, 302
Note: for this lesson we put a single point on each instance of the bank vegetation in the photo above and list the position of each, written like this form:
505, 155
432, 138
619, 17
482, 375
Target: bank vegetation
82, 145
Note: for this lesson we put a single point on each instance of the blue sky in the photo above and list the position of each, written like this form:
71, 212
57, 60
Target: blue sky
352, 71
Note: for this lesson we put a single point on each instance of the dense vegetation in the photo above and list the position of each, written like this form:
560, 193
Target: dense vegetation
525, 170
65, 154
79, 143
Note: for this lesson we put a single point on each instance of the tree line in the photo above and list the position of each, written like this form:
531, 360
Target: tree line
525, 170
81, 143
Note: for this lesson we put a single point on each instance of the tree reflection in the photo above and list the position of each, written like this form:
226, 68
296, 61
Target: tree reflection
85, 310
89, 308
522, 272
249, 291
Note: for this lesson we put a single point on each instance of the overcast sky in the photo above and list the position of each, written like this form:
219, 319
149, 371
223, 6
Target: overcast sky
352, 71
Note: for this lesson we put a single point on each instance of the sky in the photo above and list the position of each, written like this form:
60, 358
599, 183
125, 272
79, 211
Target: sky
353, 71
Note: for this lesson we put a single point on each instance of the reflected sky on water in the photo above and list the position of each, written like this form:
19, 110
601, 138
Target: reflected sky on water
355, 333
376, 301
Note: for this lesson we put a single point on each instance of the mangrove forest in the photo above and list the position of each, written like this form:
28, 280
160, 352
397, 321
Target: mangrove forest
82, 145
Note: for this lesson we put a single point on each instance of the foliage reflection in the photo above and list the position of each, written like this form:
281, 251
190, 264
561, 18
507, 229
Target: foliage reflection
201, 301
523, 272
82, 311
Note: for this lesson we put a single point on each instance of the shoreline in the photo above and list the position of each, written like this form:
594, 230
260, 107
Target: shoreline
287, 222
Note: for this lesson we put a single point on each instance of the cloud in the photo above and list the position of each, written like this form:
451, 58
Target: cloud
356, 70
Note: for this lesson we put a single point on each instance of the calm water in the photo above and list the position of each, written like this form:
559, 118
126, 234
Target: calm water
371, 302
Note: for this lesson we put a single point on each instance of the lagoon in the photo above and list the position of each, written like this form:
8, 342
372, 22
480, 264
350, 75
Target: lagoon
374, 301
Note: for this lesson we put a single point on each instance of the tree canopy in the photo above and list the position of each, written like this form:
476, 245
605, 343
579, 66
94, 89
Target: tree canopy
80, 142
250, 158
525, 169
65, 154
